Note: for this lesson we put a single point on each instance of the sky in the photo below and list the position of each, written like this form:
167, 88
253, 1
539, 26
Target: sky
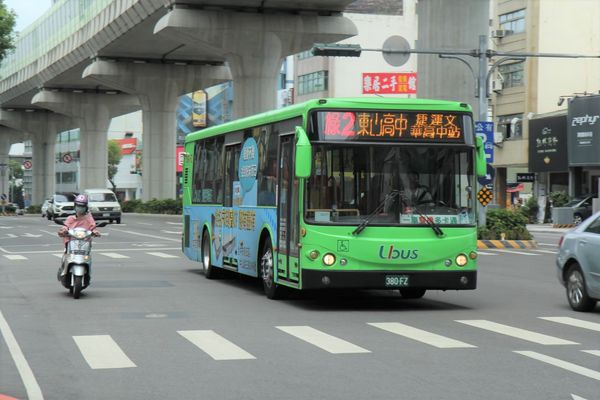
27, 11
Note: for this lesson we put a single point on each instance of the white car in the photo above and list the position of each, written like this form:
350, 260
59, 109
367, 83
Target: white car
103, 205
61, 206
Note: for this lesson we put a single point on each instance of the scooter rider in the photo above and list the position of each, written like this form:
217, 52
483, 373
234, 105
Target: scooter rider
81, 219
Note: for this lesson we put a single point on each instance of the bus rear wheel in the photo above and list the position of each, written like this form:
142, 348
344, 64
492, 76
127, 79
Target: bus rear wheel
412, 293
207, 268
267, 271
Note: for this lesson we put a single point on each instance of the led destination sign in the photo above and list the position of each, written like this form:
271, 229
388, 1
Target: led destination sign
390, 126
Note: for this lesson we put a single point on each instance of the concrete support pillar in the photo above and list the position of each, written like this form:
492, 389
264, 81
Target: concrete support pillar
158, 87
41, 128
500, 186
92, 113
8, 136
254, 45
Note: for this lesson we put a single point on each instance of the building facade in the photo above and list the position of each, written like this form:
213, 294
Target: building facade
528, 96
376, 21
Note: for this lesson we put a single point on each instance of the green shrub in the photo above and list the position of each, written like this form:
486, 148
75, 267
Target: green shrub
154, 206
511, 223
34, 209
559, 199
530, 209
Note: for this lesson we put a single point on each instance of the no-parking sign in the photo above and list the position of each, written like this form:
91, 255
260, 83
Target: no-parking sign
67, 158
27, 164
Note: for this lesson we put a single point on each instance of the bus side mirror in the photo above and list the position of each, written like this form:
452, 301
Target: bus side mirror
480, 163
303, 165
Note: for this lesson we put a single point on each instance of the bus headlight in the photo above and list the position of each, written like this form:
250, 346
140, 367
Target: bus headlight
461, 260
329, 259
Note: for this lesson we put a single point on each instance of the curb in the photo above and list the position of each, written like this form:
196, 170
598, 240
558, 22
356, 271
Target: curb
564, 226
506, 244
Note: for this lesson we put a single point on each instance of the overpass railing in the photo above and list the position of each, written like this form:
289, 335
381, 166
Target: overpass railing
61, 21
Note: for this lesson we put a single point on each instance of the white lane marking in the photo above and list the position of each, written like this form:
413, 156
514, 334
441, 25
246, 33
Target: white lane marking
145, 223
579, 323
31, 386
174, 223
575, 397
578, 369
322, 340
97, 249
55, 234
15, 257
592, 352
147, 235
544, 251
549, 244
114, 255
31, 235
429, 338
59, 255
102, 352
216, 345
518, 333
514, 252
486, 254
10, 236
162, 255
173, 232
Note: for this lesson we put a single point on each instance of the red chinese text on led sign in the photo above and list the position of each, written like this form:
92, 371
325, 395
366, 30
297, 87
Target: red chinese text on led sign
389, 83
348, 125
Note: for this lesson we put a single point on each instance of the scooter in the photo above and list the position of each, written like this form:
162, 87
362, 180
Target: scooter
76, 266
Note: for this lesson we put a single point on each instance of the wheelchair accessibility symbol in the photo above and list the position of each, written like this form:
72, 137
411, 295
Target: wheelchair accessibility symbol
343, 246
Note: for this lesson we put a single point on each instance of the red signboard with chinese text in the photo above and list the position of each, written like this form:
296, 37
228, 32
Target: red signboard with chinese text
128, 145
389, 83
390, 126
179, 159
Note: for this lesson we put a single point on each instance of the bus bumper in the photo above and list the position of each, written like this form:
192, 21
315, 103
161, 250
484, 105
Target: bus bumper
436, 280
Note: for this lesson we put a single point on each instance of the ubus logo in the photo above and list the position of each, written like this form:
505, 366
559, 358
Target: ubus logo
394, 254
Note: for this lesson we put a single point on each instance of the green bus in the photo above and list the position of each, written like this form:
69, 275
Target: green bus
369, 193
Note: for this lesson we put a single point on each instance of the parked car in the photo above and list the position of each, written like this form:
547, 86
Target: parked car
582, 207
61, 205
578, 262
103, 205
45, 206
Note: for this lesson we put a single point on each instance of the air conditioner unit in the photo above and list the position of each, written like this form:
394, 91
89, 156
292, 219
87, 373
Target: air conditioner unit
500, 33
498, 137
496, 85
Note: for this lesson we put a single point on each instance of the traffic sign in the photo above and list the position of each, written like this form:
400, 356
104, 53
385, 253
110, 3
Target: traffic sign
485, 130
67, 158
490, 173
27, 164
484, 196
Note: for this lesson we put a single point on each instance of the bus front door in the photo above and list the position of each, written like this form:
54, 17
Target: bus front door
287, 235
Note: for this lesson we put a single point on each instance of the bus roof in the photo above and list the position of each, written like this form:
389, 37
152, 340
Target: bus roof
301, 109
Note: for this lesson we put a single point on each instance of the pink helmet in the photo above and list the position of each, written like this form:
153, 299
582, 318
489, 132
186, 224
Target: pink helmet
81, 200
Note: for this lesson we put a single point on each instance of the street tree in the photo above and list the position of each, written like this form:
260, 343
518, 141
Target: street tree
7, 26
114, 158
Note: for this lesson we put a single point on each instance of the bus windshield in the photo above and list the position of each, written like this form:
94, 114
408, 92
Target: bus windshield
349, 182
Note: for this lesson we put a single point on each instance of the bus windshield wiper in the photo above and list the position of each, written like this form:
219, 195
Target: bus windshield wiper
429, 221
379, 207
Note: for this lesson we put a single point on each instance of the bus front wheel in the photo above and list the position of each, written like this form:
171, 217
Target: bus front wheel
267, 271
207, 268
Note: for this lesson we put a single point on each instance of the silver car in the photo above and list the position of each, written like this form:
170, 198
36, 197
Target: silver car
578, 262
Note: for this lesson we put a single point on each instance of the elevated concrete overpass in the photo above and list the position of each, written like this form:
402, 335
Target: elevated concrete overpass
84, 63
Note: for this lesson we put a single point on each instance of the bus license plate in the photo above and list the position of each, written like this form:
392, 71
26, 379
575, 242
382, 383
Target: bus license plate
396, 280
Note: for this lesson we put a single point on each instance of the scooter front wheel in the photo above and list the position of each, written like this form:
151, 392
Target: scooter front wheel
77, 287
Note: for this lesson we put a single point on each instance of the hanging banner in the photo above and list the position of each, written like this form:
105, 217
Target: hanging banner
389, 83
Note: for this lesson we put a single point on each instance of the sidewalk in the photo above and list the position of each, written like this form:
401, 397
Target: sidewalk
546, 228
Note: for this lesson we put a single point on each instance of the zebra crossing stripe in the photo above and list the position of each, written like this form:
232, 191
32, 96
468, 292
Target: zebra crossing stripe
422, 336
592, 352
102, 352
518, 333
114, 255
162, 255
15, 257
322, 340
578, 369
216, 346
578, 323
